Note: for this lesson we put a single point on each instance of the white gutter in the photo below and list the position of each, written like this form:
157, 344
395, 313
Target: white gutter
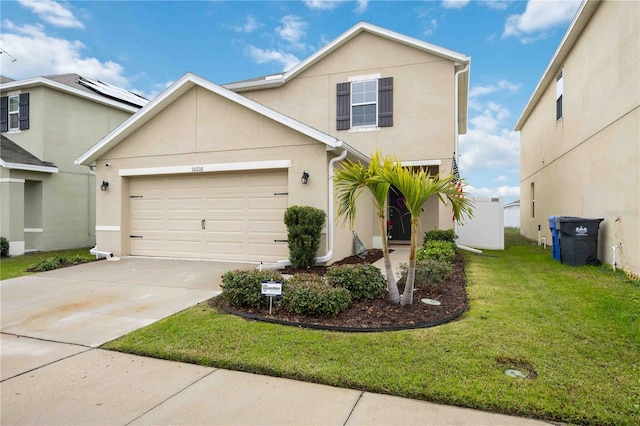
330, 227
456, 146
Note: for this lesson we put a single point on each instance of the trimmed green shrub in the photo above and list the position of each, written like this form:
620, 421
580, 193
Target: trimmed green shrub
244, 288
304, 225
428, 272
4, 247
439, 235
310, 295
439, 250
362, 281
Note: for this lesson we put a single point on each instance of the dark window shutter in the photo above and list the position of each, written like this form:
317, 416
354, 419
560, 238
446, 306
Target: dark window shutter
385, 102
23, 112
559, 108
4, 114
343, 106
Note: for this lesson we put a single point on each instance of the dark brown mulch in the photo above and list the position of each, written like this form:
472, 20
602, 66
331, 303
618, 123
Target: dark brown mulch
379, 314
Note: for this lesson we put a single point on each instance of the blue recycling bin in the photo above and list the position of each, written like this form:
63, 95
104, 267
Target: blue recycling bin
555, 241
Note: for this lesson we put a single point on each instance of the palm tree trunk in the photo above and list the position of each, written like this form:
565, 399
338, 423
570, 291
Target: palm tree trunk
407, 295
394, 294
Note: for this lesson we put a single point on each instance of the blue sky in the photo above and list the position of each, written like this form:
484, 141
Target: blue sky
144, 46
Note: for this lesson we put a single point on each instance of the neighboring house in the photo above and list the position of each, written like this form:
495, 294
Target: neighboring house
46, 201
580, 132
512, 214
217, 185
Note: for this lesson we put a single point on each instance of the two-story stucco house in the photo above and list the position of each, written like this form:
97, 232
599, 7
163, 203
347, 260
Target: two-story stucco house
46, 201
206, 171
580, 132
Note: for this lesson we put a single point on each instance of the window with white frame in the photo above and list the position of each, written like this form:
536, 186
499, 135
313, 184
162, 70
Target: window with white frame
559, 92
14, 112
364, 103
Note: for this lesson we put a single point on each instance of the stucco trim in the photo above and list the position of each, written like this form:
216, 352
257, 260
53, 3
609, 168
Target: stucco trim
28, 167
417, 163
11, 180
33, 230
204, 168
107, 228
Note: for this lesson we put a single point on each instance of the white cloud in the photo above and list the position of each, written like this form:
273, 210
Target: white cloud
249, 25
499, 86
293, 30
507, 192
539, 17
454, 4
496, 4
431, 27
287, 60
322, 4
53, 13
40, 54
362, 6
156, 89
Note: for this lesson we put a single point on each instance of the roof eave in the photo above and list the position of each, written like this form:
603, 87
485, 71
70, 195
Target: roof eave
582, 17
28, 167
41, 81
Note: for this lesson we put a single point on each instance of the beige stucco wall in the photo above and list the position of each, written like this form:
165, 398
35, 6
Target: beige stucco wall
202, 128
61, 128
423, 102
587, 164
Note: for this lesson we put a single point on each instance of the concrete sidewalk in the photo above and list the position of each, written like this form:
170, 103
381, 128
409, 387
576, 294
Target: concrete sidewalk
48, 383
52, 373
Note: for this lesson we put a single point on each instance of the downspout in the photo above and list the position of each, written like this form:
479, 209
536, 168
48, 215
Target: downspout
456, 147
330, 221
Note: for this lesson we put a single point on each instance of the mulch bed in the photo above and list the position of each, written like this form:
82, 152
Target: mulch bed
378, 314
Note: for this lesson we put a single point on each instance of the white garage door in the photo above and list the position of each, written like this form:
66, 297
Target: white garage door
229, 216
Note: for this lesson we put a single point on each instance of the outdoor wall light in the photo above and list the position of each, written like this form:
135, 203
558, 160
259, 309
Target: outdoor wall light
104, 185
305, 178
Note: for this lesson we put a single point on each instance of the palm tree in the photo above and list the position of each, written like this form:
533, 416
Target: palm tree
416, 186
350, 180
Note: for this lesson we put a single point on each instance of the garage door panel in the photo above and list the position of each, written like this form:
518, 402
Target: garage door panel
242, 214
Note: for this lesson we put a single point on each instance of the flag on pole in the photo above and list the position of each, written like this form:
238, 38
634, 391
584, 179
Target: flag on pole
456, 181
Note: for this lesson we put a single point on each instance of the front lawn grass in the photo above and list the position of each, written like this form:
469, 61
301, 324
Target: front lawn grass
16, 266
575, 329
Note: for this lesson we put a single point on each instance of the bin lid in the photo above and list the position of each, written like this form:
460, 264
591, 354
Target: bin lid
571, 219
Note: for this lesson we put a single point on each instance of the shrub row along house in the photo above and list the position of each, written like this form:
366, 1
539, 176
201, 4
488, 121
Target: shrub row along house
580, 132
216, 185
46, 201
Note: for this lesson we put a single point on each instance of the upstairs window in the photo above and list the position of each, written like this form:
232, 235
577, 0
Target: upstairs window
559, 91
365, 103
14, 112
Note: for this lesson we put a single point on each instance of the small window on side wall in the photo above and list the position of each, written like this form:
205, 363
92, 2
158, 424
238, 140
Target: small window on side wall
559, 92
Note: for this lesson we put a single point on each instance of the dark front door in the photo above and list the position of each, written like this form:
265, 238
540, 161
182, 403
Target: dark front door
399, 217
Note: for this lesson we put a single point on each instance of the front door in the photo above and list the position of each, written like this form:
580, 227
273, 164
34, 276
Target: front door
399, 217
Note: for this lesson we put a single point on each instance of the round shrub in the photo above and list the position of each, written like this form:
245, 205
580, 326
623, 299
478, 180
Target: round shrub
362, 281
438, 250
439, 235
4, 247
244, 288
428, 272
311, 295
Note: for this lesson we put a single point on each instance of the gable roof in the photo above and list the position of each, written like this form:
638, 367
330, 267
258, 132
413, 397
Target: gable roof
84, 87
179, 88
13, 156
582, 17
277, 80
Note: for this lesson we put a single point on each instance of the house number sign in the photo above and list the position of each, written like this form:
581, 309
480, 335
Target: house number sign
197, 169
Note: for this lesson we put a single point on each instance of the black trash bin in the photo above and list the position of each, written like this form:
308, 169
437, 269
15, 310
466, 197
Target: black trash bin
578, 238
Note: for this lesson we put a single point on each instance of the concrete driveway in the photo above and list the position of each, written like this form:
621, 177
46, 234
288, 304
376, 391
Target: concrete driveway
94, 303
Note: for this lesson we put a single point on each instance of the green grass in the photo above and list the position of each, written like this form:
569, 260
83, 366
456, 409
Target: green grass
16, 266
577, 328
